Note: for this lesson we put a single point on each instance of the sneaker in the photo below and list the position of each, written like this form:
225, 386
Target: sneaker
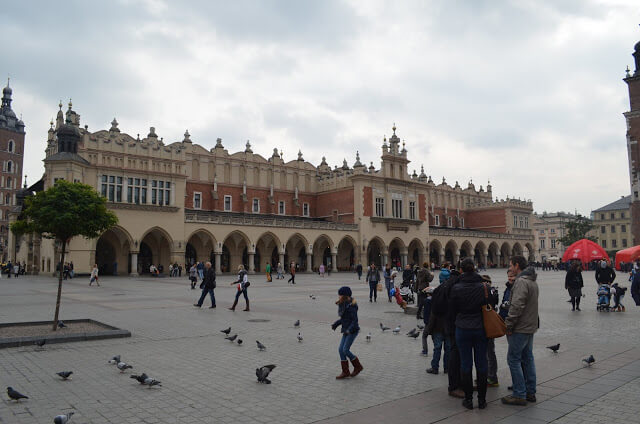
512, 400
432, 371
424, 353
212, 307
492, 383
531, 398
196, 305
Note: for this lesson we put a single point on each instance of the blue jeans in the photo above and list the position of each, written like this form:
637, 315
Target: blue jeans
201, 274
345, 344
388, 285
468, 340
438, 339
204, 294
239, 292
521, 364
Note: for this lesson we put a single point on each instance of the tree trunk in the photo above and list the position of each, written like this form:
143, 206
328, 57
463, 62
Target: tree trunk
61, 270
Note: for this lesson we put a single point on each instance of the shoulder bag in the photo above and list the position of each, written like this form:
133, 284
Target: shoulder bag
494, 326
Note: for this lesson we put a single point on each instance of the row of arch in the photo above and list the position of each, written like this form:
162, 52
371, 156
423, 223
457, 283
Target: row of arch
117, 253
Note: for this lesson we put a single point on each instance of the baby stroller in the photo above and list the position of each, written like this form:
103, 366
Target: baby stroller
407, 293
604, 298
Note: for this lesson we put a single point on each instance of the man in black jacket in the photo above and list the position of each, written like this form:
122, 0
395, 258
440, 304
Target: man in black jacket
208, 284
604, 273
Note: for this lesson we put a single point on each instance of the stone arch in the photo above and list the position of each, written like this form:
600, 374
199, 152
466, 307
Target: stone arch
375, 250
321, 252
112, 252
479, 253
516, 250
435, 252
296, 250
494, 254
268, 247
155, 248
531, 252
235, 251
416, 252
466, 249
200, 247
451, 252
505, 254
346, 258
397, 248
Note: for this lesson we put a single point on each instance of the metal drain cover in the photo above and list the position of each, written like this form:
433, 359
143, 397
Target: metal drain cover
258, 320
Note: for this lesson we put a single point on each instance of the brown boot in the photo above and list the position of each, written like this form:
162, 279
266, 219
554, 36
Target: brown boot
247, 308
357, 367
345, 370
233, 308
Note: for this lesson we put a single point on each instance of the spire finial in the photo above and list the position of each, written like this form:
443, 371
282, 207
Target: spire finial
394, 128
70, 104
25, 181
8, 79
51, 123
60, 105
628, 71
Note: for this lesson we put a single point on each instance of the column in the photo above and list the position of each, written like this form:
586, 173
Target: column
284, 266
456, 257
134, 264
385, 260
441, 254
309, 258
403, 259
498, 263
485, 257
217, 256
334, 262
252, 265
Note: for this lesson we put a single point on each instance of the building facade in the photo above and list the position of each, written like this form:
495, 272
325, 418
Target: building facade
181, 202
612, 225
633, 137
11, 155
548, 229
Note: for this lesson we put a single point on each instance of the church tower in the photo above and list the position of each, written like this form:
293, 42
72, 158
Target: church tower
633, 138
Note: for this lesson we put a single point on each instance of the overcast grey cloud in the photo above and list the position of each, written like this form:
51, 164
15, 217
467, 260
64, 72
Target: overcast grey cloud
528, 94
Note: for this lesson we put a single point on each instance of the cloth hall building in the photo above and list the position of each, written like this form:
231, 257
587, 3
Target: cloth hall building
181, 202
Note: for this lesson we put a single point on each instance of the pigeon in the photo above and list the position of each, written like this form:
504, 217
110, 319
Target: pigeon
227, 331
412, 332
383, 328
415, 335
396, 330
368, 338
141, 378
151, 382
63, 419
554, 348
296, 324
312, 297
590, 360
263, 372
122, 366
239, 341
15, 395
299, 337
114, 360
41, 343
261, 347
65, 374
61, 324
231, 338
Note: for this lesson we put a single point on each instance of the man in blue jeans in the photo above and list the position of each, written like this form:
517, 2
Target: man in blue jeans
208, 284
522, 322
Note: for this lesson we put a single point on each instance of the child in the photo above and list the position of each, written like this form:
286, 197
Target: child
348, 311
618, 293
193, 276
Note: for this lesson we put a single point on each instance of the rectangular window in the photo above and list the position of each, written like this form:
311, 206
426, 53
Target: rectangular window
256, 205
412, 210
305, 209
542, 244
197, 200
624, 242
612, 215
613, 228
601, 216
396, 208
111, 188
541, 232
449, 221
553, 231
604, 243
522, 222
281, 208
553, 243
623, 228
622, 215
437, 220
227, 203
614, 243
526, 222
380, 206
160, 192
515, 221
603, 229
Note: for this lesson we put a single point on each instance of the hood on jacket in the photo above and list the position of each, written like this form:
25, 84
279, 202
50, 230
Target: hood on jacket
470, 277
529, 272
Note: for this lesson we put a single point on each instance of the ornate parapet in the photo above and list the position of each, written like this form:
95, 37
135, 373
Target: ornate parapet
459, 232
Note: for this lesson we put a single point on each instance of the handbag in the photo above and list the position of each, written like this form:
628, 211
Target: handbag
379, 286
202, 285
494, 326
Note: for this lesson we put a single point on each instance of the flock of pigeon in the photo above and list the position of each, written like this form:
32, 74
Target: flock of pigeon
589, 361
414, 333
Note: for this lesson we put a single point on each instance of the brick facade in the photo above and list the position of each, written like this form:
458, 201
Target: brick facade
494, 220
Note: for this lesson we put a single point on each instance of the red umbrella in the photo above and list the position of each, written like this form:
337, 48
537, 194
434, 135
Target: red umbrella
586, 251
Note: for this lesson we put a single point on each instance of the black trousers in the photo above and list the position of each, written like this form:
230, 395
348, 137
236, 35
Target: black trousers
421, 299
454, 364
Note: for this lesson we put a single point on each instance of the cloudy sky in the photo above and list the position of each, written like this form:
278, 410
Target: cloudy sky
527, 94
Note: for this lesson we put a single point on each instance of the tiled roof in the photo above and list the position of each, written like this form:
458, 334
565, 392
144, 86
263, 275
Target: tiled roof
622, 203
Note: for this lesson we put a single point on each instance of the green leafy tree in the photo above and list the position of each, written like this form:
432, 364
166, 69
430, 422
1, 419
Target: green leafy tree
577, 229
62, 212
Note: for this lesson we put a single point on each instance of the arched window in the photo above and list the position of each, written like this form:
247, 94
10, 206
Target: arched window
10, 148
9, 166
9, 182
7, 199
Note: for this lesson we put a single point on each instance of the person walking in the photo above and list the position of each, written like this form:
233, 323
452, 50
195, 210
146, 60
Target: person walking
268, 271
522, 323
200, 268
373, 278
466, 301
573, 283
280, 271
604, 273
292, 270
208, 285
359, 271
16, 270
388, 282
193, 276
321, 270
94, 275
242, 285
348, 312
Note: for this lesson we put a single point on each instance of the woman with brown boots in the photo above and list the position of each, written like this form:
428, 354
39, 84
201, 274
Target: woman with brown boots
242, 284
348, 312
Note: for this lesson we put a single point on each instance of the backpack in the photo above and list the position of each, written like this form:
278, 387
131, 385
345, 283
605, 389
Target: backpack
439, 300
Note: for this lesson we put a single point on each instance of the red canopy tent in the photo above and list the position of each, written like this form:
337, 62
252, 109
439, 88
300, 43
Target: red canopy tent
627, 255
586, 251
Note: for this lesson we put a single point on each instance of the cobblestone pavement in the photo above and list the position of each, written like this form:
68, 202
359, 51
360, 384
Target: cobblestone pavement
207, 379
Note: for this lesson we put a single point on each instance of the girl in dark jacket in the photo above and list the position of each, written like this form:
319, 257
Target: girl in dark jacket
348, 311
465, 302
573, 283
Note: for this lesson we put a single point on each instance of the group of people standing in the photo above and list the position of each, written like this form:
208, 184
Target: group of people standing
16, 269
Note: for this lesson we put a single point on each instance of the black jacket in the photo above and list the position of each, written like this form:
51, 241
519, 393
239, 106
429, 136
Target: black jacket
209, 279
573, 280
466, 300
407, 276
605, 275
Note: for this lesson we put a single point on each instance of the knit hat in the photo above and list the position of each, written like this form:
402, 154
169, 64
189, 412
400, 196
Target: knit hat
344, 291
486, 278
